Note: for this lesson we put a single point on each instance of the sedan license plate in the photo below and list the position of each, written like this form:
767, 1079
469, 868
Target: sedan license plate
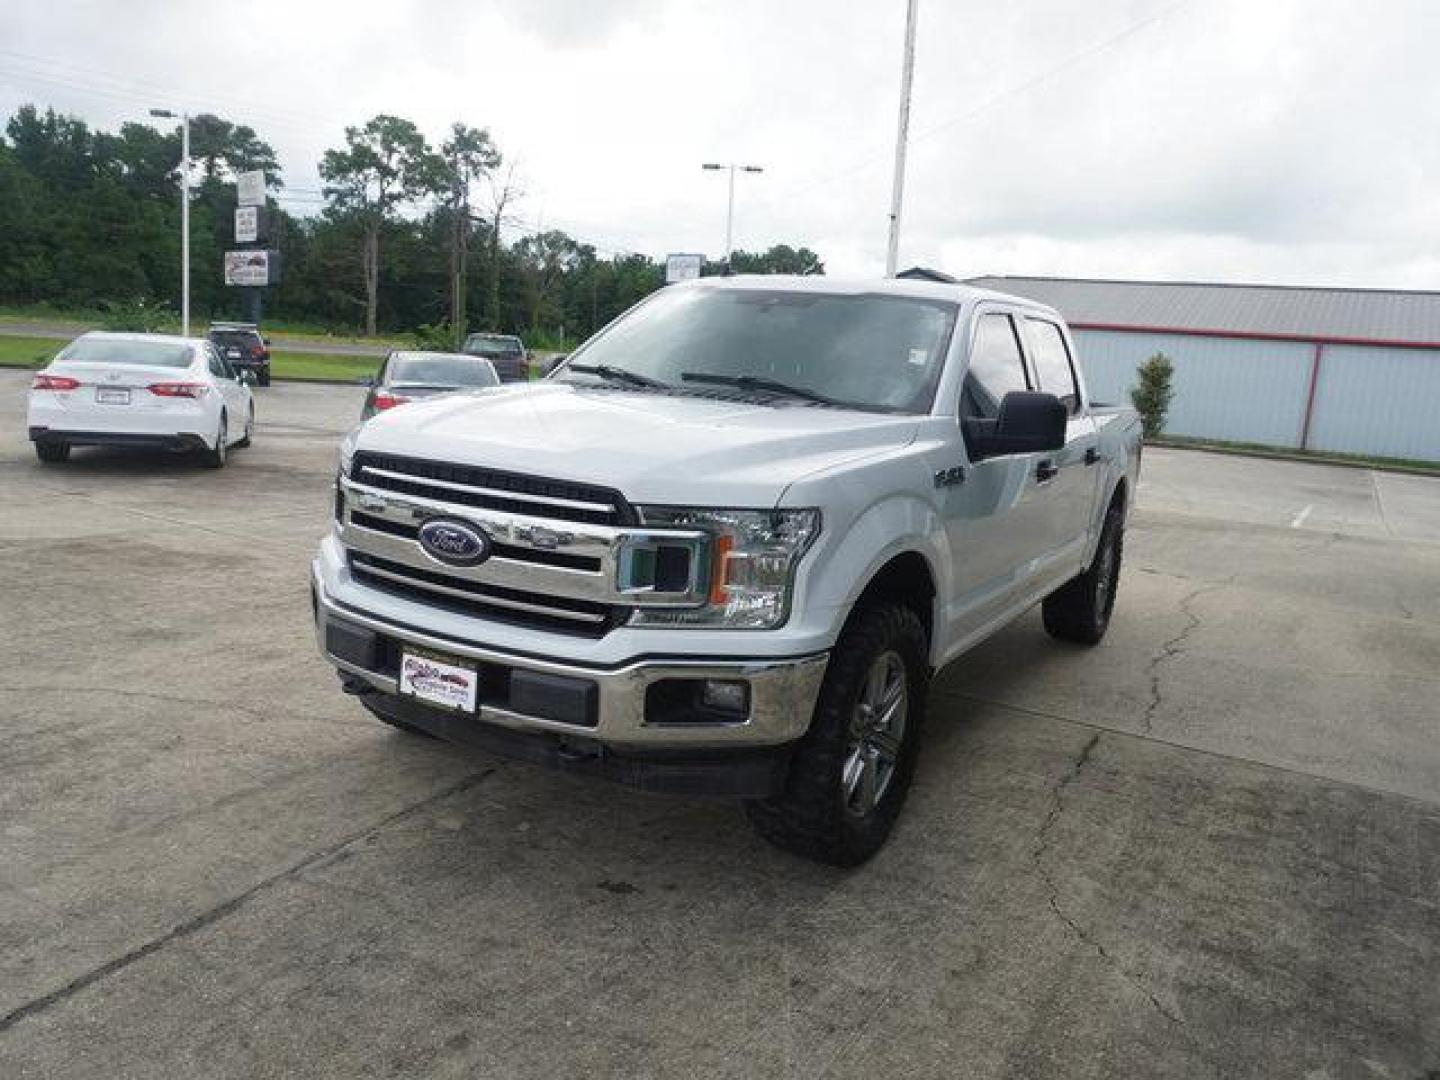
233, 354
106, 396
439, 680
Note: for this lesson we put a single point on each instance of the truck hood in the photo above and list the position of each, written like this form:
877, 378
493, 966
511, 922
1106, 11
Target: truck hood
653, 448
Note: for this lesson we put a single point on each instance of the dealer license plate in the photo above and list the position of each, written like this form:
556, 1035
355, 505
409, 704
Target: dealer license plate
439, 680
112, 397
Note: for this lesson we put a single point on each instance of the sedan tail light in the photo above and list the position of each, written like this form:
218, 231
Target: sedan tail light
257, 351
179, 389
385, 401
54, 382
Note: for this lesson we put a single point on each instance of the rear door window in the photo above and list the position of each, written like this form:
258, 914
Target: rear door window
997, 366
1051, 360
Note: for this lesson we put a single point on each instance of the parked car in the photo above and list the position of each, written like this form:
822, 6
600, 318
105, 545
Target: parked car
506, 351
150, 390
410, 376
723, 549
243, 346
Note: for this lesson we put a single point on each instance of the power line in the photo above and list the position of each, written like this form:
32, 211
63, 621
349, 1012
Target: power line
89, 79
1071, 61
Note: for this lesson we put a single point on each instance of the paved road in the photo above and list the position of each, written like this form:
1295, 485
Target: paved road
65, 331
1210, 846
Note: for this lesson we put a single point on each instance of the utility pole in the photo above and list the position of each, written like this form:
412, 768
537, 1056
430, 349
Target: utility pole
897, 196
184, 119
730, 203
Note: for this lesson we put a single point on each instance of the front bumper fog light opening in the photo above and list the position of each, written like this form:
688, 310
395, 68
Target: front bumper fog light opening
726, 696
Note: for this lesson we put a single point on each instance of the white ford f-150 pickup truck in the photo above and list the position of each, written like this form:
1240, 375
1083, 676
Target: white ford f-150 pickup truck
723, 547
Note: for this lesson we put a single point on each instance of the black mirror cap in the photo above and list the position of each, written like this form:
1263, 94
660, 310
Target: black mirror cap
1030, 422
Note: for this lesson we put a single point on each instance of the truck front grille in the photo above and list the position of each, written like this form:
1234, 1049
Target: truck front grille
532, 610
467, 485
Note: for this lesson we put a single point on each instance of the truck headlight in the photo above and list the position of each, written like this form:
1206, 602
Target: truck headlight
750, 565
347, 450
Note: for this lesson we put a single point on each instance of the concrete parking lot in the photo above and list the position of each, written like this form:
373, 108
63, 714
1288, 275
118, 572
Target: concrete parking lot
1210, 846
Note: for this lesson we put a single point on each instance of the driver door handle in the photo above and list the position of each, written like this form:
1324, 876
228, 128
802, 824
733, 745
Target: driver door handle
1092, 455
1046, 471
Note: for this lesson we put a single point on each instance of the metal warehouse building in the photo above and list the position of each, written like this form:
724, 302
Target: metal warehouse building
1354, 371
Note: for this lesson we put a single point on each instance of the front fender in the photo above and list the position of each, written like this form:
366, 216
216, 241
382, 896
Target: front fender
894, 525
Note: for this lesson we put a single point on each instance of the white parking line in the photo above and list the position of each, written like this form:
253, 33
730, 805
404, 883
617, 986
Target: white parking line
1299, 518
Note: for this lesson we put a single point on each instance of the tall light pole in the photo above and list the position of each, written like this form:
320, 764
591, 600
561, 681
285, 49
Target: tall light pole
184, 118
711, 166
897, 193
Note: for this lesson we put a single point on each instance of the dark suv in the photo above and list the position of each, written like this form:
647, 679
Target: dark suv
505, 351
243, 346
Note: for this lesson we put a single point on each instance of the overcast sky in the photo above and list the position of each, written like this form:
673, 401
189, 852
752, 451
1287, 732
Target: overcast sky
1293, 141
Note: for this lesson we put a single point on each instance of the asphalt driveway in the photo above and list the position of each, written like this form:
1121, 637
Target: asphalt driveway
1210, 846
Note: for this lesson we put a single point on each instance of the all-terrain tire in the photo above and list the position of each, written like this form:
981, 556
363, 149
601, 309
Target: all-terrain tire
812, 816
1079, 610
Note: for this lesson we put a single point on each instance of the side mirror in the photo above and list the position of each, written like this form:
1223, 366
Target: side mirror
1029, 423
265, 341
365, 380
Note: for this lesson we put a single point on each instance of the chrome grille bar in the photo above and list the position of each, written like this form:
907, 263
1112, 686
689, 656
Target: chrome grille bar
484, 599
491, 493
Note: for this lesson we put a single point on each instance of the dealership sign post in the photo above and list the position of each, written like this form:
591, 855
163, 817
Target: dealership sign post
251, 268
683, 267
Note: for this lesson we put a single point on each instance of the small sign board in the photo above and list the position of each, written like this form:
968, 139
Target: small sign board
252, 269
250, 188
247, 224
683, 267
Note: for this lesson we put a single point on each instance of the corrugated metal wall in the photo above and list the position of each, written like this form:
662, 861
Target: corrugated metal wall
1225, 388
1369, 400
1378, 401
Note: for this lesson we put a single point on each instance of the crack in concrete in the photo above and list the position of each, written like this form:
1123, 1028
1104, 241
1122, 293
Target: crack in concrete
1052, 888
209, 917
1173, 648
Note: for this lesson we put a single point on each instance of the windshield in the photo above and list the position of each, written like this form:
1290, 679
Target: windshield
493, 347
127, 351
866, 351
440, 369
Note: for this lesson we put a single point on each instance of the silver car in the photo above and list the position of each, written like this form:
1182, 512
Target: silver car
406, 376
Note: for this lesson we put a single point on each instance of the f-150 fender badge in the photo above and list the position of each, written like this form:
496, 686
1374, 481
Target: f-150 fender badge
950, 477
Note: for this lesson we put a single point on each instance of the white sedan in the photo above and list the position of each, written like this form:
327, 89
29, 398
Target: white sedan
152, 390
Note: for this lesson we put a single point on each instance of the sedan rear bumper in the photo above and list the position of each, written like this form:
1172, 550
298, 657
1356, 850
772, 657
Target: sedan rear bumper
147, 440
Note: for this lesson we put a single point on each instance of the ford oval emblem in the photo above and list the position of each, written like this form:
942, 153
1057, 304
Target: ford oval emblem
455, 542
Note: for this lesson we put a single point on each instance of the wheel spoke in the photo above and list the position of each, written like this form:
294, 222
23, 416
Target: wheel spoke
886, 744
854, 769
869, 779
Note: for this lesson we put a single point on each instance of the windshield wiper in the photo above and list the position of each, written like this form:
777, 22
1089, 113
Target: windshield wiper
605, 371
757, 382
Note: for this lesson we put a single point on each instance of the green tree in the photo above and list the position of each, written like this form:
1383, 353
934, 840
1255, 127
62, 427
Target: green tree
1152, 395
780, 259
468, 155
386, 164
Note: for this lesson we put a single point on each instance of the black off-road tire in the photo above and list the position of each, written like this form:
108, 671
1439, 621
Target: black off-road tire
810, 818
1079, 610
52, 453
263, 377
214, 456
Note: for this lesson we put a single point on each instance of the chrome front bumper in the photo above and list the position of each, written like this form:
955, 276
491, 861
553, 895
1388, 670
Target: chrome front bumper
783, 692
